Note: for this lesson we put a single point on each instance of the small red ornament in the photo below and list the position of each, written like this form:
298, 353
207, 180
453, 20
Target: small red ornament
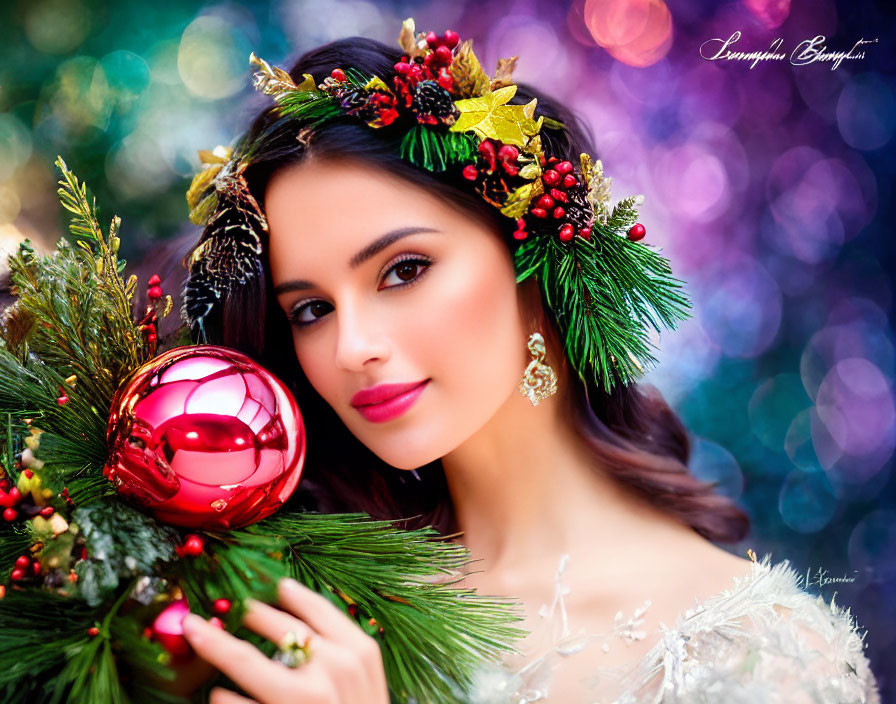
154, 292
47, 511
205, 438
566, 232
550, 177
559, 212
152, 337
585, 233
337, 74
23, 561
17, 574
569, 181
221, 606
10, 514
539, 212
93, 631
28, 473
545, 202
470, 172
62, 400
636, 232
193, 545
520, 232
35, 567
450, 38
154, 280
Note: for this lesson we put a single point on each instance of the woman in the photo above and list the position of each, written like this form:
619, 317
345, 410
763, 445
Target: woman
385, 292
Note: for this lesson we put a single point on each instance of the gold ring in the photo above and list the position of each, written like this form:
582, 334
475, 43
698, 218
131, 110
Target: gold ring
291, 653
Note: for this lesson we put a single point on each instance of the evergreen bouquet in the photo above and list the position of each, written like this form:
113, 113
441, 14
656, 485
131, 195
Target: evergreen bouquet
137, 484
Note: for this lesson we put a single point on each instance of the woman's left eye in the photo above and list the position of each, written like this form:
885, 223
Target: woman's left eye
406, 271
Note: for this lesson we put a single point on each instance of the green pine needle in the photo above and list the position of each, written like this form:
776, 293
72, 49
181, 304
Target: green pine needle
311, 107
435, 149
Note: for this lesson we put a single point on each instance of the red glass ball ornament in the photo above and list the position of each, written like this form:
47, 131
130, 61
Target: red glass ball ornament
636, 232
203, 437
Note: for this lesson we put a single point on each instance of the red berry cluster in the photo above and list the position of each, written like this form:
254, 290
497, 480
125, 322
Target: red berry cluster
26, 567
148, 323
14, 502
434, 66
492, 158
553, 204
494, 174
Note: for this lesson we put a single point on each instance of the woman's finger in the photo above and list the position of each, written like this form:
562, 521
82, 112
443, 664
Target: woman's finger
317, 611
241, 661
339, 632
273, 623
219, 695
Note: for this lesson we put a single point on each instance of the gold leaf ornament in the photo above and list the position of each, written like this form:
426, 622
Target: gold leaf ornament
202, 198
599, 186
518, 202
271, 80
470, 79
490, 117
410, 42
504, 73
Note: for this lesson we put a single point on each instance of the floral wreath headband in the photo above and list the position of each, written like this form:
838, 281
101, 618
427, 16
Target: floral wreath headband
603, 286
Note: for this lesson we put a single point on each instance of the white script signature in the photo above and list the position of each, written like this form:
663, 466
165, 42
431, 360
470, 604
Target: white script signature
807, 51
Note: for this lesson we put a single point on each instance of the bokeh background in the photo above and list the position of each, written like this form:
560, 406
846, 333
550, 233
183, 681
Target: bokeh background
770, 188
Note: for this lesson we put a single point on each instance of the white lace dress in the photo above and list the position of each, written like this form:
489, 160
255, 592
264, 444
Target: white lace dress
763, 641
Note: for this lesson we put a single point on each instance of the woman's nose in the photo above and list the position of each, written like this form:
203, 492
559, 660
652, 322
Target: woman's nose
361, 337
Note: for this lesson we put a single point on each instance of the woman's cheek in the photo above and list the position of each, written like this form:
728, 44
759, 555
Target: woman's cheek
476, 333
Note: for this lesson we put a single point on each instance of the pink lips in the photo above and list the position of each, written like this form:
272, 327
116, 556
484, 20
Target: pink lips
387, 401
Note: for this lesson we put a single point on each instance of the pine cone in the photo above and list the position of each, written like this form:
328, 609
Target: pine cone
433, 104
578, 209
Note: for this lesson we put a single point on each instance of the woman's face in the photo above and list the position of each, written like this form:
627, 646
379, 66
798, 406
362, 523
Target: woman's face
384, 283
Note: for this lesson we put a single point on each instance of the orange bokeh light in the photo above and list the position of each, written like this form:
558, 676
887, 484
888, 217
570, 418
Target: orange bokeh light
635, 32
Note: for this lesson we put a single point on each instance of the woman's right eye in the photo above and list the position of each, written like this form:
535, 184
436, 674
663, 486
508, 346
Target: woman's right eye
309, 313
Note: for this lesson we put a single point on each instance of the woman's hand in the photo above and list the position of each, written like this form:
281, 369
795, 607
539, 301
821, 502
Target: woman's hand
345, 666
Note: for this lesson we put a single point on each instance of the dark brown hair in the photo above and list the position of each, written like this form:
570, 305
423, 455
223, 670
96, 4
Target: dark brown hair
633, 433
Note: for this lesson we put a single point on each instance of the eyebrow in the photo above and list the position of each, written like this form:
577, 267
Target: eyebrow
369, 251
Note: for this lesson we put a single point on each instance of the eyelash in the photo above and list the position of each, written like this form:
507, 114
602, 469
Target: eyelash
294, 314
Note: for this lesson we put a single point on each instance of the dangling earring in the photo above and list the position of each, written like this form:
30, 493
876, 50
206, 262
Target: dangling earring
539, 380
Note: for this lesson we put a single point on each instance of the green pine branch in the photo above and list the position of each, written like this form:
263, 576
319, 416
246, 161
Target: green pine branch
604, 292
435, 635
